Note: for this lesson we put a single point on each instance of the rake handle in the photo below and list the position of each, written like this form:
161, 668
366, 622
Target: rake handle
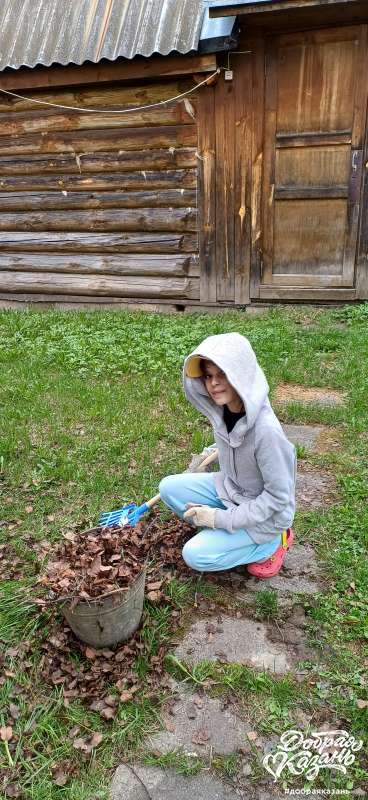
208, 460
152, 502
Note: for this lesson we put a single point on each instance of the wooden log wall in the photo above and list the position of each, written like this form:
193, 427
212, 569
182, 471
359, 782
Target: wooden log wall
100, 205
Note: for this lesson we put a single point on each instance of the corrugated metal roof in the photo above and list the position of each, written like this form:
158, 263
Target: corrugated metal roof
74, 31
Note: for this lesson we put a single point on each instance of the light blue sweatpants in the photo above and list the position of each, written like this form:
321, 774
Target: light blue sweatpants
211, 549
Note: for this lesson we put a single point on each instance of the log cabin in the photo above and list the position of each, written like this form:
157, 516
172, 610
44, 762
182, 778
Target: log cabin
236, 176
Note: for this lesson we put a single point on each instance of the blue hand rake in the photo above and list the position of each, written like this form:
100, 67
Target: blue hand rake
131, 513
127, 515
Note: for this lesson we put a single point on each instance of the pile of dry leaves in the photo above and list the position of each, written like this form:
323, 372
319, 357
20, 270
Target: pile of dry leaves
92, 563
86, 565
96, 562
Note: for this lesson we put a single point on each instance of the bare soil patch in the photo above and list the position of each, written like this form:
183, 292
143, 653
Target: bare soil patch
289, 393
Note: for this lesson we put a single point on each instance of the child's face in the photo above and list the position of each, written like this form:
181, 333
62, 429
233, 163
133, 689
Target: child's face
218, 386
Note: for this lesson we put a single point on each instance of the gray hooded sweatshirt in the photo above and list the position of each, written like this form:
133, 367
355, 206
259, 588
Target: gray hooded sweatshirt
256, 481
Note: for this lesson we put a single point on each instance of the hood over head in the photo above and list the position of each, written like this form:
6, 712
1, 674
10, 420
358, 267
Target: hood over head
234, 354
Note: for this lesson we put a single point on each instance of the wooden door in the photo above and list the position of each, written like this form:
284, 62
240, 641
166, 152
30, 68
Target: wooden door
314, 120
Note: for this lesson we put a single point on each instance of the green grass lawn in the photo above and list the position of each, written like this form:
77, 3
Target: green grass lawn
92, 415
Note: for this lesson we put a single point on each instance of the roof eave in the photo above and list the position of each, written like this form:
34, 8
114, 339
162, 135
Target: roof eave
224, 8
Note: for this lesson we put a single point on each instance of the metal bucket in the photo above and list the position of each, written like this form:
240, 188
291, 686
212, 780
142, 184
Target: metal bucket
108, 620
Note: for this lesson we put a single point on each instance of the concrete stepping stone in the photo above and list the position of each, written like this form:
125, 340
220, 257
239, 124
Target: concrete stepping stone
151, 783
290, 392
315, 438
200, 724
240, 641
300, 573
315, 488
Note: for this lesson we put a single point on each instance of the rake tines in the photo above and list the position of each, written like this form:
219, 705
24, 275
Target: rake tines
118, 517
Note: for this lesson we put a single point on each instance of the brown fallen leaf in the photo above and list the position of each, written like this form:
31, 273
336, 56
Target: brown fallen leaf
60, 778
153, 585
12, 652
79, 744
12, 790
6, 733
90, 653
97, 705
201, 736
170, 726
108, 712
69, 536
96, 739
95, 567
362, 703
56, 641
110, 700
120, 656
123, 572
125, 697
154, 596
14, 711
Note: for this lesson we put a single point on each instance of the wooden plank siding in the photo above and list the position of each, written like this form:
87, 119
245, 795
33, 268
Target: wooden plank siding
100, 205
207, 194
224, 189
362, 261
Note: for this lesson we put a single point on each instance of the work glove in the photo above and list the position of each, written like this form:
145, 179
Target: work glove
198, 458
201, 516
